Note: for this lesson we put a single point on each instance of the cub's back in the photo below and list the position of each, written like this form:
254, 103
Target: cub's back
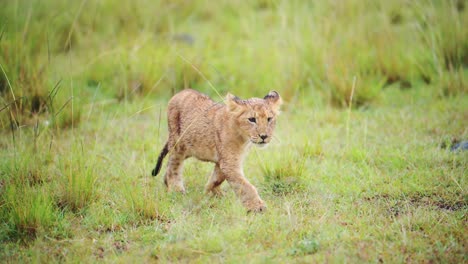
192, 111
191, 117
189, 104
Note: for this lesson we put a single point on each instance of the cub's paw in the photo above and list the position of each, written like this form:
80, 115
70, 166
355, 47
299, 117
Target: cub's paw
258, 207
215, 192
176, 188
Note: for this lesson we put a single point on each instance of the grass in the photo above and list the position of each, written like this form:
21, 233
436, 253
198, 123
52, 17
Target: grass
78, 184
84, 88
391, 193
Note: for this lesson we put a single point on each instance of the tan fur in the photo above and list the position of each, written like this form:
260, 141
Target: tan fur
218, 133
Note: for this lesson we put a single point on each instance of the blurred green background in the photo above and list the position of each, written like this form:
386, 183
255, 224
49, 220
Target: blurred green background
310, 51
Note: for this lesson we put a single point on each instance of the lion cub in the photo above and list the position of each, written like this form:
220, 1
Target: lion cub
218, 133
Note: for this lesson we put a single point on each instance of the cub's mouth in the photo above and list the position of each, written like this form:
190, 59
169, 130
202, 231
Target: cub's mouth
260, 143
260, 140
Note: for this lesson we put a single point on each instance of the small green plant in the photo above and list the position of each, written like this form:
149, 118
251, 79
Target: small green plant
306, 246
285, 177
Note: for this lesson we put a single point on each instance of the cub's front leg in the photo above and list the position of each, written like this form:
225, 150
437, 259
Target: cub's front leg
246, 192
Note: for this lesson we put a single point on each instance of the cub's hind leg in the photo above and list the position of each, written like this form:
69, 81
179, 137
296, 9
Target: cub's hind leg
173, 178
213, 185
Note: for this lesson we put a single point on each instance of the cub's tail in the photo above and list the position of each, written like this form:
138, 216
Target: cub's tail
163, 154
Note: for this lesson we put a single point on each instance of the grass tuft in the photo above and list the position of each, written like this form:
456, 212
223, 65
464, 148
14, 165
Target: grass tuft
285, 177
454, 82
142, 202
77, 185
28, 211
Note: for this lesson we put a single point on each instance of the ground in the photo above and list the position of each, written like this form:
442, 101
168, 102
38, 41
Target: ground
361, 185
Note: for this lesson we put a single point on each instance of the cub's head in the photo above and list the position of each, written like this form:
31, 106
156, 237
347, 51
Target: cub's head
255, 118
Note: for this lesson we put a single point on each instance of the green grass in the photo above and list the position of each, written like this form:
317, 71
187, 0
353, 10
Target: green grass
389, 193
84, 87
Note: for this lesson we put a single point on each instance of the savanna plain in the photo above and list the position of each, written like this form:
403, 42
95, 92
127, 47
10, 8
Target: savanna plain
364, 165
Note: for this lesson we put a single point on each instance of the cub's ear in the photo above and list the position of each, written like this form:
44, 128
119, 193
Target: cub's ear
232, 102
274, 99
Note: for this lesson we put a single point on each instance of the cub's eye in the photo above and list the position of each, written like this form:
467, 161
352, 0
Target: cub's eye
269, 119
253, 120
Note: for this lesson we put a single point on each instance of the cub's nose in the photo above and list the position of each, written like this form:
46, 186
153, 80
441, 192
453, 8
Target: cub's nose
263, 137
